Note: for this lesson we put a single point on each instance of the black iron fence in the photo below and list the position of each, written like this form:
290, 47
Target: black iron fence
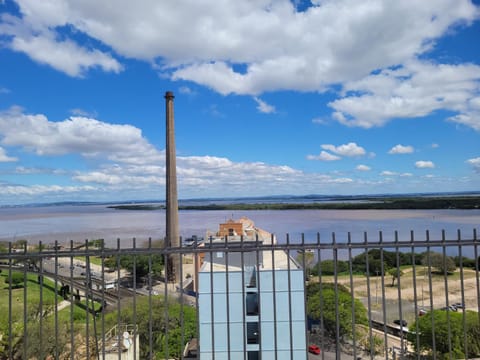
309, 298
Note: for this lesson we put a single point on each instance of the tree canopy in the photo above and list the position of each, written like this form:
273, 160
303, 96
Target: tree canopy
443, 264
169, 320
323, 302
444, 322
140, 264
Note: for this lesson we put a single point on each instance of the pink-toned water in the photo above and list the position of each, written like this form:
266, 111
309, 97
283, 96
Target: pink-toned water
78, 223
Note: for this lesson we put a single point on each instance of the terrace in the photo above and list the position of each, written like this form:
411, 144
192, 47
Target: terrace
417, 298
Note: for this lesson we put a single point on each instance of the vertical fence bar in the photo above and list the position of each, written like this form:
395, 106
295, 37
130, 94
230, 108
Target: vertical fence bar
25, 309
182, 299
289, 280
320, 287
102, 256
447, 303
382, 274
352, 292
118, 256
477, 270
72, 303
244, 312
274, 287
430, 288
196, 288
165, 304
134, 301
335, 284
259, 292
88, 292
462, 292
403, 344
40, 305
212, 305
415, 296
227, 290
56, 351
369, 300
10, 322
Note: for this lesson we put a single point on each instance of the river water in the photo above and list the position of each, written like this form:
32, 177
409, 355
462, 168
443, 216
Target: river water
81, 222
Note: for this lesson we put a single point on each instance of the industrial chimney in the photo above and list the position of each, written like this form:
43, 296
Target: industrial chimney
172, 235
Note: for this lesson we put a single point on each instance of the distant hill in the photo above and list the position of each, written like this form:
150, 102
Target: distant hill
360, 202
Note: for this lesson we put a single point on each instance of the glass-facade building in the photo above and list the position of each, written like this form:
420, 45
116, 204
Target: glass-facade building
251, 305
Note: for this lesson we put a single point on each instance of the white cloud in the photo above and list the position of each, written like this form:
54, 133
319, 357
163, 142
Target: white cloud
324, 156
40, 190
415, 89
278, 46
263, 107
5, 158
185, 90
351, 149
83, 113
475, 162
363, 168
200, 175
401, 149
470, 119
319, 121
43, 45
388, 173
88, 137
424, 164
4, 90
435, 146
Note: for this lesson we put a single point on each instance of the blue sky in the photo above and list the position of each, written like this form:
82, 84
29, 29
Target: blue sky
271, 97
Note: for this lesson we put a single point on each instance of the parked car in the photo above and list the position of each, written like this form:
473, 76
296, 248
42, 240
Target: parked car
459, 305
314, 349
400, 322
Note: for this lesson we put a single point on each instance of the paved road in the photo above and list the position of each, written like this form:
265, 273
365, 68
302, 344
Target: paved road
328, 356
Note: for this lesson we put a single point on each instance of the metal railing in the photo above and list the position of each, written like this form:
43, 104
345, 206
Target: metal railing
404, 298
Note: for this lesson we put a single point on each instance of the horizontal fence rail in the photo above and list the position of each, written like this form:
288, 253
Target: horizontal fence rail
238, 298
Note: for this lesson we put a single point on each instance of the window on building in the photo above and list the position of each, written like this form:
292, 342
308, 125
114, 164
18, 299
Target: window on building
251, 303
253, 355
252, 281
253, 332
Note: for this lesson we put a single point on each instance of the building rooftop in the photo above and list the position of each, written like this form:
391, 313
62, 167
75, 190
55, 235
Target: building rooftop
243, 233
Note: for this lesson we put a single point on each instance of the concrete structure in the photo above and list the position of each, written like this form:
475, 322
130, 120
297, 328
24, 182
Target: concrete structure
122, 343
250, 302
172, 238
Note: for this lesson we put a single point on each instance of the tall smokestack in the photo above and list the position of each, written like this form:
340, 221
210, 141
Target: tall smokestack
172, 234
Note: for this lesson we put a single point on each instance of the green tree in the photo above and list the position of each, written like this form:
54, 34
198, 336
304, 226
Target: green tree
395, 273
139, 263
328, 267
443, 323
324, 302
464, 261
169, 320
306, 259
443, 264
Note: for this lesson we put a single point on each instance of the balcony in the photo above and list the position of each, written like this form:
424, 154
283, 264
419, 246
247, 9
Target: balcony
407, 298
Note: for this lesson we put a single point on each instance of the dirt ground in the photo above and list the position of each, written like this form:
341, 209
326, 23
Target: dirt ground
425, 290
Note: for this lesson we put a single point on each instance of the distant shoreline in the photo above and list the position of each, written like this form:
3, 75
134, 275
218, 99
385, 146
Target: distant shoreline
366, 203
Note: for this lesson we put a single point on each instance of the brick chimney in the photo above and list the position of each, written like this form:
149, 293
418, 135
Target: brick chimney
172, 233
